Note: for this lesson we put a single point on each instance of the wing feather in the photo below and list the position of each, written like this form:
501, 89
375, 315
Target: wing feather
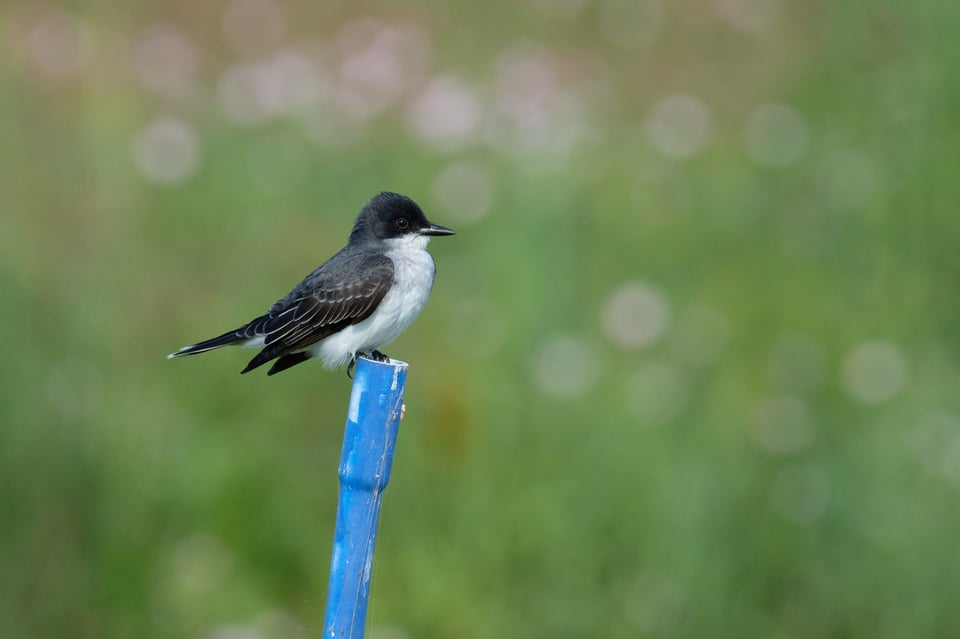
322, 304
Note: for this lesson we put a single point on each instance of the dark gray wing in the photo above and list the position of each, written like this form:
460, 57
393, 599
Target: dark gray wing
345, 290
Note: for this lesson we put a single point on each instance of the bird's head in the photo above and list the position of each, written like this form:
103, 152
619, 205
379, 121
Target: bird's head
391, 216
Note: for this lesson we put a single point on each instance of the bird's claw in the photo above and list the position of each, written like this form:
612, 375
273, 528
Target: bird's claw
376, 356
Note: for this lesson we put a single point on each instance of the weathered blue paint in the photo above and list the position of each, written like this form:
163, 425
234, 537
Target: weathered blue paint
368, 444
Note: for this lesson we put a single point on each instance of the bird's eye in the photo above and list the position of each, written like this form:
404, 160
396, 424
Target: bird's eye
402, 223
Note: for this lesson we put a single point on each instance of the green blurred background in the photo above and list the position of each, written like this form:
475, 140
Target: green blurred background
689, 368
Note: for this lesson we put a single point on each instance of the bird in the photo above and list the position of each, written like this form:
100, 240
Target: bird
353, 304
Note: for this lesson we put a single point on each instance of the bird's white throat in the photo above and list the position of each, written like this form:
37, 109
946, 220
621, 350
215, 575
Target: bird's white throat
413, 275
410, 242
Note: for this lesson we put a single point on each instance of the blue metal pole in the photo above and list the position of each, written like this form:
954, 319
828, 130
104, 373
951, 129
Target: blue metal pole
368, 444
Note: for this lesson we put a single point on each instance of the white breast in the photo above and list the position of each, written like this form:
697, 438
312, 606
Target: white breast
413, 272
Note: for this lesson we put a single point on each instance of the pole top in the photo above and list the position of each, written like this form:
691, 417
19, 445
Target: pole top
395, 363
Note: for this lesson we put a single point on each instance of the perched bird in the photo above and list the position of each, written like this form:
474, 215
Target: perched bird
354, 303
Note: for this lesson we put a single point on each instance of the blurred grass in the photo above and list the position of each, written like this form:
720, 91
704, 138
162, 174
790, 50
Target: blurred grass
140, 497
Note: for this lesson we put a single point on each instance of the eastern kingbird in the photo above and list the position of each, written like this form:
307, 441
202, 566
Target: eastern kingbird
354, 303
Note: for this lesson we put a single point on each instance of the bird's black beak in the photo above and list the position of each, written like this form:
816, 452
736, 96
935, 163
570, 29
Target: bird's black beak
436, 229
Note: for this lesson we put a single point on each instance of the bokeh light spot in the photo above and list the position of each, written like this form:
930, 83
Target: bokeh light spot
166, 151
635, 315
783, 424
198, 565
935, 441
464, 191
657, 392
54, 43
655, 605
565, 366
446, 114
874, 372
236, 632
388, 632
275, 623
847, 178
253, 26
630, 24
378, 64
534, 109
165, 61
560, 8
286, 83
776, 135
239, 96
678, 126
755, 17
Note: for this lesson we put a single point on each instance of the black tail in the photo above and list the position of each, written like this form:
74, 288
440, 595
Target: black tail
233, 337
286, 361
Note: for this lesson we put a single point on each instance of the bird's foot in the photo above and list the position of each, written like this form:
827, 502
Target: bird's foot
376, 356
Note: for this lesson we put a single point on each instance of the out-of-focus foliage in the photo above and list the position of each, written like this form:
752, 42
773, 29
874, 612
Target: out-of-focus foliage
690, 365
